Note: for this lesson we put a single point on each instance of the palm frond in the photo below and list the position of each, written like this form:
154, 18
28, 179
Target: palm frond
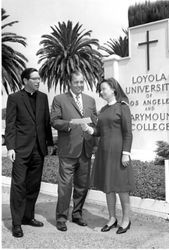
117, 46
67, 48
13, 62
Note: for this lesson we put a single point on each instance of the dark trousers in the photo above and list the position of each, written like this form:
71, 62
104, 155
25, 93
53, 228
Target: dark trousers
25, 185
74, 171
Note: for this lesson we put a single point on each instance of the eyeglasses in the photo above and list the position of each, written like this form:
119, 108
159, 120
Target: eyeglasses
35, 78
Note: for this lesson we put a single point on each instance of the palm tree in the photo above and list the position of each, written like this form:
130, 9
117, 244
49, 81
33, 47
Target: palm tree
13, 62
118, 47
68, 48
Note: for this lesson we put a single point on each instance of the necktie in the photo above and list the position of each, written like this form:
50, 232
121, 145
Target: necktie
79, 104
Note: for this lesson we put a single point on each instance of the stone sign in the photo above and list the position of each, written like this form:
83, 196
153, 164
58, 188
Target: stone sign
144, 76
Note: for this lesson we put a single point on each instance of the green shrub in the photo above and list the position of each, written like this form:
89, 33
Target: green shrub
50, 168
149, 178
162, 152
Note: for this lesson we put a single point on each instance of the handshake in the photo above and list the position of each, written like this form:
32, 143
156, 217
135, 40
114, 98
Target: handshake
87, 128
83, 122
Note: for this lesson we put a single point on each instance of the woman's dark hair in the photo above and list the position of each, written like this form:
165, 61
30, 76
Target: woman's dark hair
112, 83
27, 72
118, 91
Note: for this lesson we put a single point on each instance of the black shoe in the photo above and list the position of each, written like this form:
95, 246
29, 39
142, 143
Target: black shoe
79, 221
17, 231
122, 230
61, 225
33, 222
107, 228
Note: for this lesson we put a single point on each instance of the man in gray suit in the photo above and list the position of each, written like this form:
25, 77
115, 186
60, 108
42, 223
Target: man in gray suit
74, 149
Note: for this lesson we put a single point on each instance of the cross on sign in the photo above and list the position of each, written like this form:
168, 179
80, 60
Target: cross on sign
148, 49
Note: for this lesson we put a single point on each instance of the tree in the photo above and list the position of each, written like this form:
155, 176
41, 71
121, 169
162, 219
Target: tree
162, 152
68, 48
147, 12
118, 47
13, 62
138, 14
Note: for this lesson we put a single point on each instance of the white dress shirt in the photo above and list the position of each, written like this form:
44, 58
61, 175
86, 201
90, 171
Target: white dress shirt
79, 97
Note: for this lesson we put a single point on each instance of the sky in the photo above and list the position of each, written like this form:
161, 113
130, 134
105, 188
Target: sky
106, 19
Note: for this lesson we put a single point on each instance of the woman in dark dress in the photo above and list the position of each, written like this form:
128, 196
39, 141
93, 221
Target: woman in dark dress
112, 170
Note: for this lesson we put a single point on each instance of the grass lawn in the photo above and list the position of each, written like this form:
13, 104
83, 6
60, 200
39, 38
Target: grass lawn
149, 178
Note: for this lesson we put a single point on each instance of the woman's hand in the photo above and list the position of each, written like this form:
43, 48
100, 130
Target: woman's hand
87, 128
125, 160
84, 127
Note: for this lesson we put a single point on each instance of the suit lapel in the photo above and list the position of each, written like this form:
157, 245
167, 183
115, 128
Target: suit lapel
38, 105
27, 104
84, 100
71, 99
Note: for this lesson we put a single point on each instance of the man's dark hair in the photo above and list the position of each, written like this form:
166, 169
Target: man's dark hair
27, 72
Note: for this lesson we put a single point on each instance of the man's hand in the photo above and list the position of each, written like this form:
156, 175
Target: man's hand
72, 125
50, 150
11, 154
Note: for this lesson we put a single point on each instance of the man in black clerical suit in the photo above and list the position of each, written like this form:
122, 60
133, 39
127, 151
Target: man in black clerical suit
28, 138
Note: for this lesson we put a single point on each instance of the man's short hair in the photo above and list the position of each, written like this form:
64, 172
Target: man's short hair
27, 72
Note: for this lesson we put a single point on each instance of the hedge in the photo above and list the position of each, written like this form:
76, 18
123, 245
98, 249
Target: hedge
149, 178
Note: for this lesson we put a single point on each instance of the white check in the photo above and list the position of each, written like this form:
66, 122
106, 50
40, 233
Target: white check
85, 120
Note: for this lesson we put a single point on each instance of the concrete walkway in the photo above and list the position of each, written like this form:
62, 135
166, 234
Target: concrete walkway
148, 232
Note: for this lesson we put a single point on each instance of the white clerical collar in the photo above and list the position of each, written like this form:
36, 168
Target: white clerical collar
112, 102
31, 93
